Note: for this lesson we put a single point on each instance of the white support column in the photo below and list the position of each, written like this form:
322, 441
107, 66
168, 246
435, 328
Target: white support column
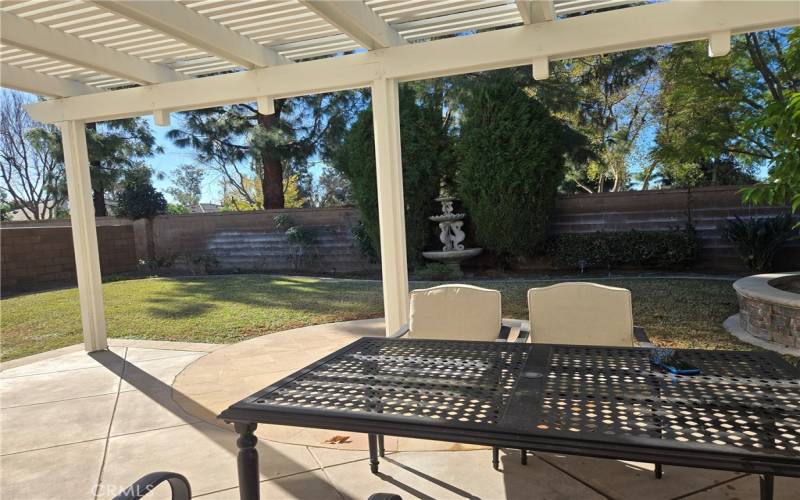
84, 235
391, 213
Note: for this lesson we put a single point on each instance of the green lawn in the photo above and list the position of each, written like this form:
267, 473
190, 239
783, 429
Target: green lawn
675, 312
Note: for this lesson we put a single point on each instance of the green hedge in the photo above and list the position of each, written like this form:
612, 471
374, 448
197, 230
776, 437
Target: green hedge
677, 248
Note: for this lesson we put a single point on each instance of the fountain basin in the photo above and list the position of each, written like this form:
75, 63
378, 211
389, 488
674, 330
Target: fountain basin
452, 255
769, 307
447, 217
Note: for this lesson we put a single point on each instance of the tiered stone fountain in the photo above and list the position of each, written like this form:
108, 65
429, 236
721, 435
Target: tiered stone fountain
452, 236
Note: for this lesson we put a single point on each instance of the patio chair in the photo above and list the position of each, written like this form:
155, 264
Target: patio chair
581, 313
455, 312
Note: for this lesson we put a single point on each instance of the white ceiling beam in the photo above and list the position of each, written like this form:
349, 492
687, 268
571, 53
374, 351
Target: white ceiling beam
161, 117
56, 44
536, 11
14, 77
266, 105
719, 43
184, 24
357, 21
541, 68
612, 31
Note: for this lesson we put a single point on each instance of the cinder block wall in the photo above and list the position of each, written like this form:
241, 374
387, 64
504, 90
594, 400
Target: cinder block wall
250, 242
41, 256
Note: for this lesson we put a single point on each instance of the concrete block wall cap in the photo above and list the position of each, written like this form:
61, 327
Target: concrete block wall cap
758, 287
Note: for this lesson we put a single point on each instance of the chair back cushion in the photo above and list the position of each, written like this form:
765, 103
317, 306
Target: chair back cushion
581, 314
455, 312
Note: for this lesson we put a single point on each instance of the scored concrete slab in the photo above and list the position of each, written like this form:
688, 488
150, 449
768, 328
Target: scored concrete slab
468, 474
55, 473
311, 485
58, 386
143, 411
634, 480
66, 362
155, 374
51, 424
786, 488
205, 454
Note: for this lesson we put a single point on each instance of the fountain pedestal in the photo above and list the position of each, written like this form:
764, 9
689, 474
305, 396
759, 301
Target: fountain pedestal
451, 235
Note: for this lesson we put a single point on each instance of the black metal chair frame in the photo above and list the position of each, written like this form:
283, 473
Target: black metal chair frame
177, 482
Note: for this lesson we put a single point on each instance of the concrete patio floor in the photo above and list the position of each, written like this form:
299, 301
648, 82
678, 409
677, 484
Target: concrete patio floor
86, 426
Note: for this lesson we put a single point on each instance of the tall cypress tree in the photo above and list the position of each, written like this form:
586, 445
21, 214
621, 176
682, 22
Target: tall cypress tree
511, 162
426, 155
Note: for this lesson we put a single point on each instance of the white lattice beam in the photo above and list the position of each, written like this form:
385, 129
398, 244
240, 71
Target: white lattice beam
16, 78
535, 11
184, 24
56, 44
356, 20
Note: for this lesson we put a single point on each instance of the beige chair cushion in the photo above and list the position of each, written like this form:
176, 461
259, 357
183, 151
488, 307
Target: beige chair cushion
581, 314
455, 312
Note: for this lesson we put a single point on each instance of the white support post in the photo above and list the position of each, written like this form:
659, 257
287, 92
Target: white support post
391, 213
84, 235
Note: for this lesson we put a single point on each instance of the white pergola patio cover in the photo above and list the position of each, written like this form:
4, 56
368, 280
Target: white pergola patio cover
103, 59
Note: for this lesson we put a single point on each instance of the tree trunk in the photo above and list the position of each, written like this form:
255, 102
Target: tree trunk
271, 166
98, 195
99, 202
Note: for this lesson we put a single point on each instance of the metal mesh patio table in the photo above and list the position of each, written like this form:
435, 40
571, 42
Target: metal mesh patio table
741, 413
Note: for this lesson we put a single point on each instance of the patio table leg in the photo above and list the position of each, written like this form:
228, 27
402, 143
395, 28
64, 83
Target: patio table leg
659, 471
495, 457
767, 483
247, 461
524, 456
373, 453
381, 446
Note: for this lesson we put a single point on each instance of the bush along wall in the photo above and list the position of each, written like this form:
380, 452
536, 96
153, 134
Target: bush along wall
673, 249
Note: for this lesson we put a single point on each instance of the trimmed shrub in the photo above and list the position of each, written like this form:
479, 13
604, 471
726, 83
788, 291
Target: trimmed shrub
437, 271
282, 222
365, 246
677, 248
300, 236
138, 198
758, 240
511, 164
